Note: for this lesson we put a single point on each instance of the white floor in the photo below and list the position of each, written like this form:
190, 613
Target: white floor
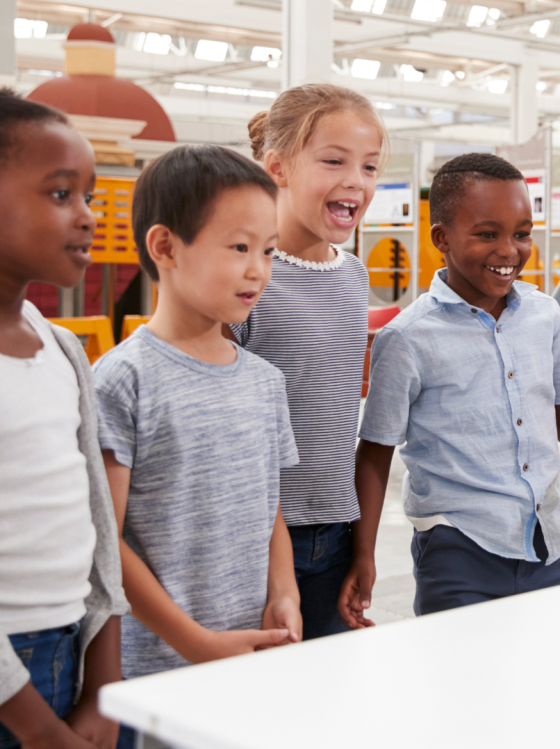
393, 592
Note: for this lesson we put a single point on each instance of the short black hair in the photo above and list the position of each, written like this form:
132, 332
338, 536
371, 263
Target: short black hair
178, 190
15, 111
450, 182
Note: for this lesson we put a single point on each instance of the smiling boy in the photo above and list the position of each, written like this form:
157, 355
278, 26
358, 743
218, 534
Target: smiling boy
194, 429
469, 378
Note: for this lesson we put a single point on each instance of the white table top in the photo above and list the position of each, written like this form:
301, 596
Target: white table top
486, 676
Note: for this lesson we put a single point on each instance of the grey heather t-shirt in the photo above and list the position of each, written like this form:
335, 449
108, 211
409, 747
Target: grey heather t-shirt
205, 444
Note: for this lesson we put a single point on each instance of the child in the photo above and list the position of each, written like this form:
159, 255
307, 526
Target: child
469, 377
195, 430
60, 577
322, 146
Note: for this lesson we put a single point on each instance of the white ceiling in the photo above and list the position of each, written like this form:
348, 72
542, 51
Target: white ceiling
467, 109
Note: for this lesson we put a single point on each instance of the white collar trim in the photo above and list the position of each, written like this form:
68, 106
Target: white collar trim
309, 264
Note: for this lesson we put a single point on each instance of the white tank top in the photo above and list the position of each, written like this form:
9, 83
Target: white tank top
46, 533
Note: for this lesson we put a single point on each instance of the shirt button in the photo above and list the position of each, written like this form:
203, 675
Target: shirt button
519, 422
510, 375
526, 467
538, 507
474, 311
497, 329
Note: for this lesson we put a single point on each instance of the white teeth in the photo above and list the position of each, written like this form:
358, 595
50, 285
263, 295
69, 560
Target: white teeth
346, 205
501, 270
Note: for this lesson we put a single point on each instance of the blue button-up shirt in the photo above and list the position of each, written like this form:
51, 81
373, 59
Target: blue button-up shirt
473, 398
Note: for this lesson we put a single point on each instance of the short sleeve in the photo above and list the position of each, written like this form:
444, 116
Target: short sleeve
556, 355
394, 385
288, 452
116, 414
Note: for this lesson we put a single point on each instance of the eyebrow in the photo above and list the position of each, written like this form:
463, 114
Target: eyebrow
346, 150
496, 223
62, 173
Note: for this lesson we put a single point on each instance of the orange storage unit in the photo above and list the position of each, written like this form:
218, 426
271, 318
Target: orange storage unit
112, 208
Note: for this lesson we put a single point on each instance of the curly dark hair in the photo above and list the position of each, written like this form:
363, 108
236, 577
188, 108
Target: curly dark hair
450, 182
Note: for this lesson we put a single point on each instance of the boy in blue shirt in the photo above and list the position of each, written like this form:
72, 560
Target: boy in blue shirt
469, 378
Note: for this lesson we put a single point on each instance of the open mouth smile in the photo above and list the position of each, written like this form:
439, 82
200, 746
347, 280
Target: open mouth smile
343, 212
502, 271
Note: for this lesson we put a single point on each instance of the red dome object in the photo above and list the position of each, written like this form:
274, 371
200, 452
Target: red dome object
105, 96
91, 32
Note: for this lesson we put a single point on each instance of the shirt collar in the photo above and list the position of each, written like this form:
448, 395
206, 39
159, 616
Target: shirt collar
445, 295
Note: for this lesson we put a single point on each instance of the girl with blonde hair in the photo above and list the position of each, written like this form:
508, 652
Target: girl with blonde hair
323, 146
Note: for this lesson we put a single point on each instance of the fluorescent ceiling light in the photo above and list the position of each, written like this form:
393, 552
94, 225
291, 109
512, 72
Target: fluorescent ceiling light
213, 51
541, 86
460, 74
428, 10
363, 5
539, 28
226, 90
157, 44
365, 69
477, 16
50, 73
497, 86
411, 74
384, 105
378, 6
25, 29
447, 78
494, 13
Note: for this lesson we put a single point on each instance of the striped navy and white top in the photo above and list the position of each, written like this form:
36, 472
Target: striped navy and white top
311, 322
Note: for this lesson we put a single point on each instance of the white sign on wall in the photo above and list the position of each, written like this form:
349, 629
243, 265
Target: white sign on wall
392, 204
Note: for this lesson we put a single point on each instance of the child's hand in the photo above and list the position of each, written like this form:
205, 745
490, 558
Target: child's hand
59, 736
284, 612
238, 642
86, 722
355, 594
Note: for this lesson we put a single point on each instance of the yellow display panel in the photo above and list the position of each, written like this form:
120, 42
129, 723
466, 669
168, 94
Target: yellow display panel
112, 208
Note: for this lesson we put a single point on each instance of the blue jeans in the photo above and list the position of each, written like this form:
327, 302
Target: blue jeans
322, 559
51, 657
451, 570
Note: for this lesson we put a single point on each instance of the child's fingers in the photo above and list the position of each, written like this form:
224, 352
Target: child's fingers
269, 637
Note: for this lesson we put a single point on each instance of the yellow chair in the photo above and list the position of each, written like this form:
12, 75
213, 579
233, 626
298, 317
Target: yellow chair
131, 322
98, 330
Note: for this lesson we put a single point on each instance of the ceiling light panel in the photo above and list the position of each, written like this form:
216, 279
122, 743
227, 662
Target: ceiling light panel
477, 15
540, 28
378, 6
410, 73
157, 44
428, 10
212, 51
362, 5
365, 69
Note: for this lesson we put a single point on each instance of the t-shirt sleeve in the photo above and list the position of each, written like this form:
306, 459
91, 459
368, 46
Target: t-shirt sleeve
394, 385
556, 354
116, 411
288, 452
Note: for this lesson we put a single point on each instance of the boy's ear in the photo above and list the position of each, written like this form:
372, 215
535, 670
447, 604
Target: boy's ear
440, 238
161, 246
275, 167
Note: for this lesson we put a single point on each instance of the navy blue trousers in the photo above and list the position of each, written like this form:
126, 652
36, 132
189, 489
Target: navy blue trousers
322, 559
452, 571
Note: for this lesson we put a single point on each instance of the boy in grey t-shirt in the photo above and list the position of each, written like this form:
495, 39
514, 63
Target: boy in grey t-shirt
195, 430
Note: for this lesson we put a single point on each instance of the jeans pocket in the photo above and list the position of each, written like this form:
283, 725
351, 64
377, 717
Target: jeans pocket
420, 543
